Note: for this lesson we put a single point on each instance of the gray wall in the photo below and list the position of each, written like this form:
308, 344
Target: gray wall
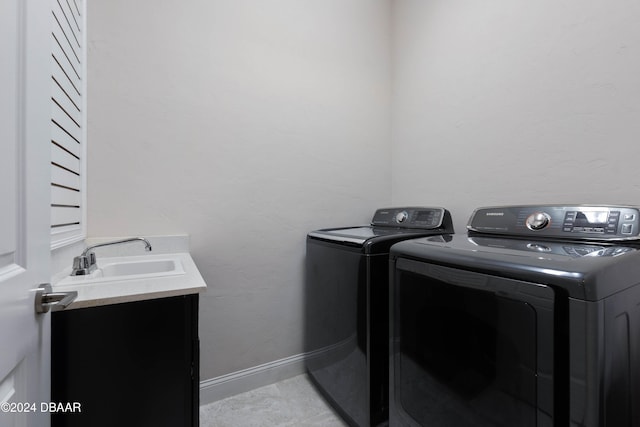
239, 122
504, 102
246, 124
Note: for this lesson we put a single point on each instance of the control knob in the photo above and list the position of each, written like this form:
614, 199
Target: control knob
401, 217
537, 221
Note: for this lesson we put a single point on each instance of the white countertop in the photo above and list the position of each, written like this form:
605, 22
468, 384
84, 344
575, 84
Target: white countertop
119, 290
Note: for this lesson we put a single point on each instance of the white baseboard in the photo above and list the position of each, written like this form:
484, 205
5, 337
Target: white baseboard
238, 382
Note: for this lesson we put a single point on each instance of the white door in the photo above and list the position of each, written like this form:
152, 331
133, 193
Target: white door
24, 210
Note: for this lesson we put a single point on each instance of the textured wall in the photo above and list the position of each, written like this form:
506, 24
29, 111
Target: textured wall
504, 102
246, 124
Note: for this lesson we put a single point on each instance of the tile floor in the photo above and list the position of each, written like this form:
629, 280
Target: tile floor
290, 403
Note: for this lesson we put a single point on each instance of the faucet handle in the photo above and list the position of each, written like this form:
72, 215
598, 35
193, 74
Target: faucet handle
92, 258
84, 264
81, 262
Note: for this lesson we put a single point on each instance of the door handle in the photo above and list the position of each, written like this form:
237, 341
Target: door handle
47, 300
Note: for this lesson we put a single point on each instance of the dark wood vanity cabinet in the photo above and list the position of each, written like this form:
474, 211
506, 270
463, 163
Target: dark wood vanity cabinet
130, 364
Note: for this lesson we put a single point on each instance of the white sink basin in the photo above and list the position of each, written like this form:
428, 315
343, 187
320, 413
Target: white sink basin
129, 268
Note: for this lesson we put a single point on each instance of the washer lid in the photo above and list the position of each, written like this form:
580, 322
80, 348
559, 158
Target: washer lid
359, 235
587, 271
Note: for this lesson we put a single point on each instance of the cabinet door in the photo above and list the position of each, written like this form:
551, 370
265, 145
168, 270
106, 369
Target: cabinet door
134, 362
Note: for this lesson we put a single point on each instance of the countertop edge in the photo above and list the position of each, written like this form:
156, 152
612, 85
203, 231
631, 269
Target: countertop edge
120, 299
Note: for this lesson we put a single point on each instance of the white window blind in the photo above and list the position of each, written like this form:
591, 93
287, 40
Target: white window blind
68, 123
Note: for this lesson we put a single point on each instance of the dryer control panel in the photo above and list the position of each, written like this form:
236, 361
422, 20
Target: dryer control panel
411, 217
579, 222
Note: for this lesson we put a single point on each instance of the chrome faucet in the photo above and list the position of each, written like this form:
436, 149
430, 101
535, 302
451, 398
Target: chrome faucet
86, 262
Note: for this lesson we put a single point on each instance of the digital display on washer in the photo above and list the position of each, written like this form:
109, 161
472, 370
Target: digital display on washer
424, 216
430, 218
592, 221
591, 218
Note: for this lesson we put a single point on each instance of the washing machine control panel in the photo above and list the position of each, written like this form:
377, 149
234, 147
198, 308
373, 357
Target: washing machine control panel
568, 222
410, 217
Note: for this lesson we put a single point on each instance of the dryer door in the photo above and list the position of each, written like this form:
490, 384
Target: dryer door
470, 349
